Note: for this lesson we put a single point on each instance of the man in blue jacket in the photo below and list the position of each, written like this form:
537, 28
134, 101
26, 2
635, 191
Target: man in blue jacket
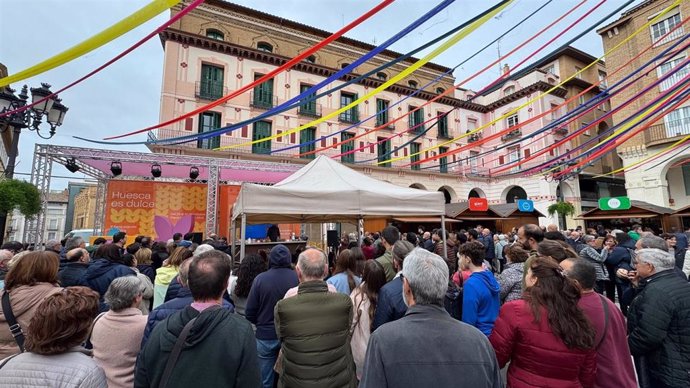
480, 297
268, 288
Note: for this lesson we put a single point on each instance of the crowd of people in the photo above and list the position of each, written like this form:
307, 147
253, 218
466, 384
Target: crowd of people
535, 307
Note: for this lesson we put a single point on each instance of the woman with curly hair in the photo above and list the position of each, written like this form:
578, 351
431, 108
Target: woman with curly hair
545, 336
54, 357
250, 268
364, 300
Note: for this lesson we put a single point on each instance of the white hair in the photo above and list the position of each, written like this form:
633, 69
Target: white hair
122, 292
427, 275
661, 260
203, 248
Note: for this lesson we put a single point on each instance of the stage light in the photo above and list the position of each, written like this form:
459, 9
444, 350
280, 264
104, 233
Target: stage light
116, 168
193, 172
71, 165
156, 170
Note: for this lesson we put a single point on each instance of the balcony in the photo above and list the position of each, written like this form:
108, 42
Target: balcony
668, 132
562, 131
514, 134
309, 110
210, 90
350, 116
262, 99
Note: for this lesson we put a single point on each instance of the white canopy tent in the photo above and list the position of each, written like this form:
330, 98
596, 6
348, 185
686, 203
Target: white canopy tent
326, 191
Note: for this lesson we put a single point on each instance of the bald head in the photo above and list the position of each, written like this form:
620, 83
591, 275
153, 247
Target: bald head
552, 228
312, 264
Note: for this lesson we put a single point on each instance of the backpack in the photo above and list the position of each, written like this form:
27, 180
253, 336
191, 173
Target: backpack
452, 301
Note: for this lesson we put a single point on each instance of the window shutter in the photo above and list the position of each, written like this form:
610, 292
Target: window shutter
280, 138
244, 131
501, 160
361, 146
405, 152
188, 123
527, 152
292, 138
323, 143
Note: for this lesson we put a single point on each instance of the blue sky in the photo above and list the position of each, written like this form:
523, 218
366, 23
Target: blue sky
126, 96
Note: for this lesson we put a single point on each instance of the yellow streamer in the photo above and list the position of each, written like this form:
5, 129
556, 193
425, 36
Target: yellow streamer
624, 128
644, 27
116, 30
445, 46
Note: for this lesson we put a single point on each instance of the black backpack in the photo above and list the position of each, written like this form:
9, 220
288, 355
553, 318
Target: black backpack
452, 301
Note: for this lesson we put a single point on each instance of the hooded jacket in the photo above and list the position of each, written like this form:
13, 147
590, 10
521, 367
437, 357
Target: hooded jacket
24, 301
480, 301
101, 273
164, 275
70, 273
220, 351
267, 289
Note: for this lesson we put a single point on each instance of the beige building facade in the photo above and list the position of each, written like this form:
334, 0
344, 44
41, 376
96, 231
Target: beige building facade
220, 47
85, 208
666, 180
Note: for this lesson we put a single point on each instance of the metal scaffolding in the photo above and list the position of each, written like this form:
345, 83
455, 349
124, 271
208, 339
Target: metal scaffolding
45, 155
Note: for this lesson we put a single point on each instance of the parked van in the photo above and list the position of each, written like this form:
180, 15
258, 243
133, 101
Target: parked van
83, 233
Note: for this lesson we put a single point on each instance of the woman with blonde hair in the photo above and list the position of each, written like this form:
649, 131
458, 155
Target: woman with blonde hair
54, 357
166, 273
27, 284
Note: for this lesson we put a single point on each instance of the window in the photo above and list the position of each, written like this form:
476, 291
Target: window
308, 108
440, 90
381, 112
663, 27
471, 124
674, 78
261, 130
508, 90
578, 72
442, 124
383, 149
214, 34
416, 118
586, 132
307, 136
602, 79
264, 46
474, 162
443, 161
347, 147
351, 115
413, 84
344, 65
51, 235
311, 59
685, 169
208, 121
678, 122
551, 69
52, 224
211, 84
554, 111
514, 156
581, 99
263, 93
381, 76
512, 121
414, 155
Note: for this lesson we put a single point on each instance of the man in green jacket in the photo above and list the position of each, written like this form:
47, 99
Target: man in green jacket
389, 236
314, 327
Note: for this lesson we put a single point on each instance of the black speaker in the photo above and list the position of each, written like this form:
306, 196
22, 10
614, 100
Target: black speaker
197, 237
332, 238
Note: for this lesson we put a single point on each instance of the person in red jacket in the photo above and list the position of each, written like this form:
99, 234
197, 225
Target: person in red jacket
614, 365
546, 337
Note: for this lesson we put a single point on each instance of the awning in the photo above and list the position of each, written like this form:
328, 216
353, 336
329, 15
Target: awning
611, 217
481, 218
425, 219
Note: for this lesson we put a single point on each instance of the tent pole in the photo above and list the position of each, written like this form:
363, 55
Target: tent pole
233, 239
360, 230
243, 234
443, 231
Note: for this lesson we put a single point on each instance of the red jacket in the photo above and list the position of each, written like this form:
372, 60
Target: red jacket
537, 357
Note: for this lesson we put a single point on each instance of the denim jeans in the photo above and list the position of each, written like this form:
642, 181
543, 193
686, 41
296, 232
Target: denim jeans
268, 354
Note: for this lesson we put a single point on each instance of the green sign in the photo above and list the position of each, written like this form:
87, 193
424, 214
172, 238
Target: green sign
614, 203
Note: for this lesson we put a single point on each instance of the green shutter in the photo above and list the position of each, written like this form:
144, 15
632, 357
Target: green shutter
686, 178
307, 136
443, 161
346, 147
414, 148
208, 121
262, 129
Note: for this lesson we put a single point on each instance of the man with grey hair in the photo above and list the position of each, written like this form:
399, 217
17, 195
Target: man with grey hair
427, 347
314, 327
53, 246
659, 321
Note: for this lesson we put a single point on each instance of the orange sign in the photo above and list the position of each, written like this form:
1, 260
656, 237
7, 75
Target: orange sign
479, 204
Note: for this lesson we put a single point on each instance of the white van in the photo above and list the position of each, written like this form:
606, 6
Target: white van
83, 233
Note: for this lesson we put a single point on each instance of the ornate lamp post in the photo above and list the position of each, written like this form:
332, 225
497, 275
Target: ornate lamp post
31, 119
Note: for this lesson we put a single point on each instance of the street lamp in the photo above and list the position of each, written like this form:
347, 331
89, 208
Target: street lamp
31, 118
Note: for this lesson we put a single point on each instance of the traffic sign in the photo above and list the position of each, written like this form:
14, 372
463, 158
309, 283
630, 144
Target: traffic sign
614, 203
525, 205
479, 204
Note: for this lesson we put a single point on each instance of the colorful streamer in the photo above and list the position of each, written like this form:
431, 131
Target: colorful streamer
155, 32
116, 30
270, 74
452, 41
518, 108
